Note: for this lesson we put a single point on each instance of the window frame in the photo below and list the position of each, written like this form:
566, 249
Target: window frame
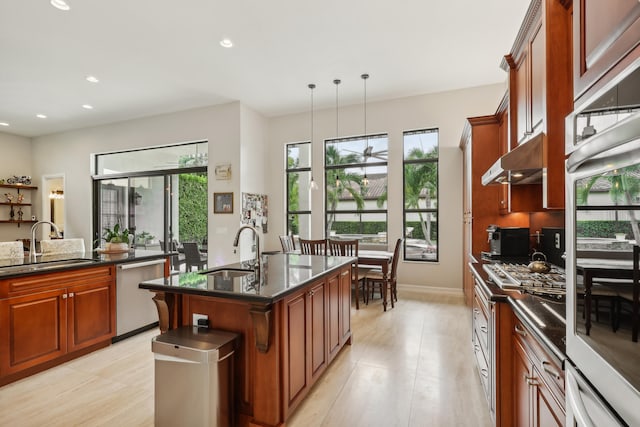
288, 171
435, 210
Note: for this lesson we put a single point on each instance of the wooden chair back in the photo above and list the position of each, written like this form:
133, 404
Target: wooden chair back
313, 247
287, 244
342, 247
394, 262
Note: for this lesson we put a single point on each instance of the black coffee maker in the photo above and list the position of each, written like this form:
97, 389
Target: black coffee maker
508, 242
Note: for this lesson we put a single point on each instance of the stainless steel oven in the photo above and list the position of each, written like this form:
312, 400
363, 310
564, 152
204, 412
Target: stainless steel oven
602, 238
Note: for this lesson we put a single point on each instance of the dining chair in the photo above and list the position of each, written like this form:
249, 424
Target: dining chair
193, 257
287, 244
374, 277
313, 247
358, 274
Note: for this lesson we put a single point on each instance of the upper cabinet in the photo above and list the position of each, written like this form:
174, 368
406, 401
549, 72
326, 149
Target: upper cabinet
604, 35
540, 89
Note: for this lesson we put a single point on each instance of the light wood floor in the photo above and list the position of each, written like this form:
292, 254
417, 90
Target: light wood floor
410, 366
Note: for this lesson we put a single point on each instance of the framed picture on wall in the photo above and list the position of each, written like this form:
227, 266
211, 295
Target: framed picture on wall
223, 203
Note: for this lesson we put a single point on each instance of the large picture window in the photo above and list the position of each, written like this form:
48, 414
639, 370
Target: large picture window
298, 172
421, 195
356, 189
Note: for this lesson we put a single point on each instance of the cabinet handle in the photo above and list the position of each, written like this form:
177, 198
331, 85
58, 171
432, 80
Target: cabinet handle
476, 348
344, 273
64, 296
70, 294
476, 311
484, 373
483, 329
548, 369
520, 331
531, 380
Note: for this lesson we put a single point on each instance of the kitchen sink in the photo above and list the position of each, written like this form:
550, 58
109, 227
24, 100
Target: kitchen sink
43, 266
229, 273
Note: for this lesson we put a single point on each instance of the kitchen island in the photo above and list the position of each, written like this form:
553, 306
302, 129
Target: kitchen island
293, 315
54, 308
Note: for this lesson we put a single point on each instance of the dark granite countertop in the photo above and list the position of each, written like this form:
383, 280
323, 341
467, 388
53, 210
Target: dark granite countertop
544, 316
280, 275
14, 267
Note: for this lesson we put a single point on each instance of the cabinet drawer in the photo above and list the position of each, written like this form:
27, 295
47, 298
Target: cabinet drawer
39, 282
481, 323
483, 369
550, 371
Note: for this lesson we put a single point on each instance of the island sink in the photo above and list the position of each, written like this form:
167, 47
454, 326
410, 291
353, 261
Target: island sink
229, 273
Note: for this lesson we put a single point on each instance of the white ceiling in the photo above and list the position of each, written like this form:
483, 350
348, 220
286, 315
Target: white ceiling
160, 56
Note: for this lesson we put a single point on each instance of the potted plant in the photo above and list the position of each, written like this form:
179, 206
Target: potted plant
117, 239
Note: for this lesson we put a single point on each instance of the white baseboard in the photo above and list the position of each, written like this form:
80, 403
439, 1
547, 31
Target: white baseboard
429, 289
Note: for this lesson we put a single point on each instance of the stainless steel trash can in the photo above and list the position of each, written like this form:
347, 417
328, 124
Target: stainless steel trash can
194, 377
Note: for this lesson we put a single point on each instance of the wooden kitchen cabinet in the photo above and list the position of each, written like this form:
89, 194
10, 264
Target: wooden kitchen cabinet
606, 36
339, 315
305, 343
51, 317
540, 88
537, 382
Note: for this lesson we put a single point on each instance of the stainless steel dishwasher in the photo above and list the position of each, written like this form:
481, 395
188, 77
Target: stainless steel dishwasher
135, 310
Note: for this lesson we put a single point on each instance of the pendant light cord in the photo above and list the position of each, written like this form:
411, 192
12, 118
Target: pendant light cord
337, 82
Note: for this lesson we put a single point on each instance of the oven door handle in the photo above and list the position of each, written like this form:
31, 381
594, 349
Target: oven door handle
575, 401
622, 132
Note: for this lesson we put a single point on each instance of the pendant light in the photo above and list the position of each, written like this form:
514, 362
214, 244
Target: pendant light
365, 180
312, 184
337, 82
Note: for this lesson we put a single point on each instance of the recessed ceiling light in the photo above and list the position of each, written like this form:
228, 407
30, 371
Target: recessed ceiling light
92, 79
4, 124
226, 43
41, 116
60, 4
87, 106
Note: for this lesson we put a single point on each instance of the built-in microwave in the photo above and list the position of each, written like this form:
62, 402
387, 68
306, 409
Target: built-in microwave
603, 251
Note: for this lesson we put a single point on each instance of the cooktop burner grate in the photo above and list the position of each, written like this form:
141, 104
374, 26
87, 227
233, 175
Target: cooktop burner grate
518, 276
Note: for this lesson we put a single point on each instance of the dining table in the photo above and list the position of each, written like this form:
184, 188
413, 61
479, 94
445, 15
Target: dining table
372, 258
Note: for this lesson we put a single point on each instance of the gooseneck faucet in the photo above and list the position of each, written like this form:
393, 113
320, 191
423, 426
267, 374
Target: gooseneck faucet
32, 246
256, 241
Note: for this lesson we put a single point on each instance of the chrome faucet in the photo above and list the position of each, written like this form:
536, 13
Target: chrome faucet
32, 246
256, 242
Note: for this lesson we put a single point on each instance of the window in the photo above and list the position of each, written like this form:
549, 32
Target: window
356, 188
421, 195
161, 205
298, 171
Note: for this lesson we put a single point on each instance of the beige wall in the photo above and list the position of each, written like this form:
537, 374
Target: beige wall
15, 159
446, 111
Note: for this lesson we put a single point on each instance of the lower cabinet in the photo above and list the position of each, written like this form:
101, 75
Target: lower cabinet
48, 318
537, 382
316, 326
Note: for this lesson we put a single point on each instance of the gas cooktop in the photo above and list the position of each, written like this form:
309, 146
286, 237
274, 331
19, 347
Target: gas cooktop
518, 276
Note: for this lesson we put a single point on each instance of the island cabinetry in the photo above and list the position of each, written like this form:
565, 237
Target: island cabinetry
50, 318
540, 88
537, 382
305, 341
339, 315
605, 36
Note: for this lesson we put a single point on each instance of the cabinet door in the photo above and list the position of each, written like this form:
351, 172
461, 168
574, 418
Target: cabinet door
91, 314
522, 110
604, 33
334, 307
33, 330
345, 306
296, 346
537, 63
521, 382
547, 411
317, 333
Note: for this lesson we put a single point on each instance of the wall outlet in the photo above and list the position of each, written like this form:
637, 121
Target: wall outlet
197, 316
557, 240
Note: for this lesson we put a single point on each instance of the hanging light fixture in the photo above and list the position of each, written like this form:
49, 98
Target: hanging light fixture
312, 184
337, 82
365, 180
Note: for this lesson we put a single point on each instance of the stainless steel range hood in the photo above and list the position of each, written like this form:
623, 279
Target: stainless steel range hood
523, 165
